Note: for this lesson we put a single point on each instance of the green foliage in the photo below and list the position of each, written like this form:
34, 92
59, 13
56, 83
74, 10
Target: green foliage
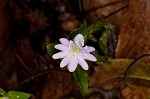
2, 92
17, 95
100, 25
87, 30
80, 30
100, 59
14, 95
103, 41
50, 49
82, 79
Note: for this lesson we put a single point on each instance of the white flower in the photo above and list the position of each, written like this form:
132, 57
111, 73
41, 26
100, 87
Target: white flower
74, 53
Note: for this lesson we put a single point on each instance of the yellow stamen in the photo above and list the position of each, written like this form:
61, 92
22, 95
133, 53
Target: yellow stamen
75, 50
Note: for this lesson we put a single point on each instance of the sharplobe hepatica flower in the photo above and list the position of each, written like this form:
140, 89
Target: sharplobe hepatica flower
73, 53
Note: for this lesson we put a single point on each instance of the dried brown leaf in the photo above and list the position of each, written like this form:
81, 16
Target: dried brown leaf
58, 84
109, 74
134, 39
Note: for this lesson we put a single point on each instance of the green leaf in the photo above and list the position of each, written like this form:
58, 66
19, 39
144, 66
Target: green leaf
87, 30
103, 41
50, 49
100, 59
17, 95
79, 31
2, 92
82, 79
100, 25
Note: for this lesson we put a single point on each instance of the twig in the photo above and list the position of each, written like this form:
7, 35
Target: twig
83, 12
37, 75
109, 4
115, 11
23, 64
80, 4
122, 84
69, 6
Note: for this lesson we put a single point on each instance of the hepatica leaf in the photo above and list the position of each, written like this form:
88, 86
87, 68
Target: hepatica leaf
86, 30
50, 49
80, 30
2, 92
100, 25
17, 95
103, 41
82, 79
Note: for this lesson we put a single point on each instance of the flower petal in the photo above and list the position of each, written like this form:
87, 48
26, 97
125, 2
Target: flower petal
73, 64
79, 39
65, 61
60, 55
61, 47
83, 63
89, 57
64, 41
89, 49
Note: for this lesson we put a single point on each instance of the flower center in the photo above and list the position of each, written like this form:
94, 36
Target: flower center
75, 50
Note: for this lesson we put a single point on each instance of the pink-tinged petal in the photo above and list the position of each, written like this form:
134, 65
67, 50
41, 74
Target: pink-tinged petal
61, 47
65, 61
89, 49
89, 57
64, 41
83, 63
73, 64
60, 55
79, 39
